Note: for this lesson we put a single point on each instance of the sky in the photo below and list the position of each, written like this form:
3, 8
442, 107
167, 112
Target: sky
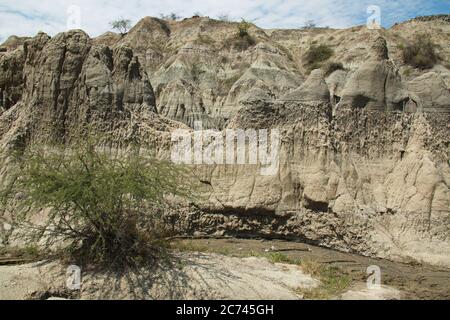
27, 17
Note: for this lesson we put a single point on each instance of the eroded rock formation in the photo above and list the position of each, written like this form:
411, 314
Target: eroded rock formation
364, 151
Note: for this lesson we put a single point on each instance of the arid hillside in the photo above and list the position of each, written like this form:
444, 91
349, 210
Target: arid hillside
364, 118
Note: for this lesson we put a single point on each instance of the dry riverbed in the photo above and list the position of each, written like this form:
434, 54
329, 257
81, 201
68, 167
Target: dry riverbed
232, 269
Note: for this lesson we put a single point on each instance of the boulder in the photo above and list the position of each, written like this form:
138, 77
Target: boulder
314, 89
376, 84
433, 94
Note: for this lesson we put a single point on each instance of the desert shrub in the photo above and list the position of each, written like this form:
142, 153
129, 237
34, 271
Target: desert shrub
224, 17
242, 40
239, 43
420, 53
105, 209
243, 43
309, 24
243, 28
122, 25
333, 280
317, 54
331, 67
171, 16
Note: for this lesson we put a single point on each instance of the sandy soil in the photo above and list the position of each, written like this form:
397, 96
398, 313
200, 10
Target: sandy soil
196, 276
415, 281
209, 275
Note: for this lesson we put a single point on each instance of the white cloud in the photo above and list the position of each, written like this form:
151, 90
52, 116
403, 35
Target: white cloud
27, 17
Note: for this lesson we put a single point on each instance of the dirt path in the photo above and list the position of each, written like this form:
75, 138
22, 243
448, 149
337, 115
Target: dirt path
415, 281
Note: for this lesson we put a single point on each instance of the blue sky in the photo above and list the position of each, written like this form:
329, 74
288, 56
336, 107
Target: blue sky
27, 17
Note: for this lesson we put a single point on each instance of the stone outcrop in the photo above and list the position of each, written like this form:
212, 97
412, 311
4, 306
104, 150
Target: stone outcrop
11, 78
336, 84
363, 159
376, 85
431, 91
313, 89
362, 181
69, 83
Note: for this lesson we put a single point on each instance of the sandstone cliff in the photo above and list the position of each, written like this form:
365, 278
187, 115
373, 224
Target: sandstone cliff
364, 151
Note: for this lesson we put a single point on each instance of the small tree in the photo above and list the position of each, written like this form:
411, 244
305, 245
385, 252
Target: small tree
122, 25
107, 209
309, 24
171, 16
224, 17
243, 28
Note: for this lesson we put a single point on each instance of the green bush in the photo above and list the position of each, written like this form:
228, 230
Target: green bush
242, 40
240, 43
243, 28
122, 25
171, 16
317, 54
105, 209
310, 24
420, 53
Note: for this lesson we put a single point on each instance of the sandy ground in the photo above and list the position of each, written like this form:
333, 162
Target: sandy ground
191, 275
18, 282
195, 276
415, 281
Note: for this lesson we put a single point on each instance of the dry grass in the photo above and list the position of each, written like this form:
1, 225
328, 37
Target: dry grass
29, 252
333, 281
420, 53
